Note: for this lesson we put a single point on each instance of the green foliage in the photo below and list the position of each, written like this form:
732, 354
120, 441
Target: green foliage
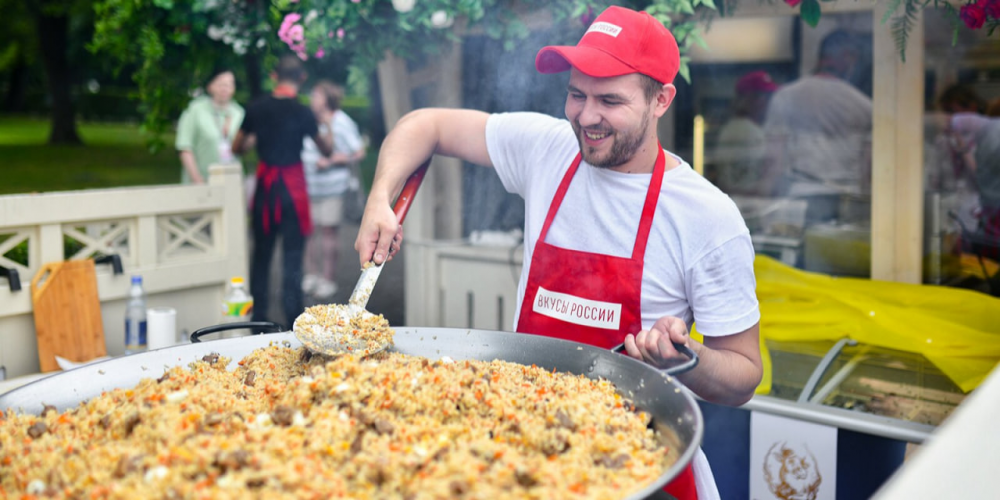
904, 23
169, 46
810, 12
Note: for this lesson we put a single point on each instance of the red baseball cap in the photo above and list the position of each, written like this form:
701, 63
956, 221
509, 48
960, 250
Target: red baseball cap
619, 42
756, 81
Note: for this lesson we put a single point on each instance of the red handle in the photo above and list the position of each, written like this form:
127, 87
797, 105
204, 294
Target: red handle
405, 198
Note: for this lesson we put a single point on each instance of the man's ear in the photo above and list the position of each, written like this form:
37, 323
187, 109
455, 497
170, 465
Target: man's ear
664, 99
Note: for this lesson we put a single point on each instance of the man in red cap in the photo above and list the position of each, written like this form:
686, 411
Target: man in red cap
741, 144
613, 223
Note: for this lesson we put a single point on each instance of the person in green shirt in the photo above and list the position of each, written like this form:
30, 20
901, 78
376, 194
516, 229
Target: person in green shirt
207, 127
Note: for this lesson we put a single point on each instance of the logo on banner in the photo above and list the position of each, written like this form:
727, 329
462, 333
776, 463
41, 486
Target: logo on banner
791, 459
577, 310
792, 472
606, 28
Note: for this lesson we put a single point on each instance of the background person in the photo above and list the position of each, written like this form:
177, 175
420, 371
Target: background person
206, 128
818, 130
328, 179
741, 146
611, 219
278, 123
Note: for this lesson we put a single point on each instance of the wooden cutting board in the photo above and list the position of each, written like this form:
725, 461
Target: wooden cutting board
67, 313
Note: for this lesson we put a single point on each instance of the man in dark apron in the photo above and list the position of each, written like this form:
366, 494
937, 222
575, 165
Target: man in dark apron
624, 242
278, 122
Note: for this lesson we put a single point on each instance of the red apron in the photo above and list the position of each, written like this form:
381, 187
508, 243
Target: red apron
294, 180
592, 298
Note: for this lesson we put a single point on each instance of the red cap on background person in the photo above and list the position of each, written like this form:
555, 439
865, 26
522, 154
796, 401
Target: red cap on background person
756, 82
620, 41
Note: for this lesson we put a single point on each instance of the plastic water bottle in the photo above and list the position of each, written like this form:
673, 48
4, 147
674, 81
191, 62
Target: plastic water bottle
135, 318
237, 306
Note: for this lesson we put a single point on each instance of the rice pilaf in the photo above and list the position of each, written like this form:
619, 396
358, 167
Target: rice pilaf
288, 424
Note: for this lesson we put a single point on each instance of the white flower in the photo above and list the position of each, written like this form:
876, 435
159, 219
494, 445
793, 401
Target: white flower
240, 47
215, 32
403, 6
312, 14
441, 19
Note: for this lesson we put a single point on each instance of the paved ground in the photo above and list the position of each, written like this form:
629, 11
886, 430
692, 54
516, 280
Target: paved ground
386, 299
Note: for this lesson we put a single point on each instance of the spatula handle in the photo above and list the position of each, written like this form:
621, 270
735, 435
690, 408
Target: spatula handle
402, 205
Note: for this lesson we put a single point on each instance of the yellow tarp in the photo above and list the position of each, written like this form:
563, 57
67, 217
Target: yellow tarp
957, 330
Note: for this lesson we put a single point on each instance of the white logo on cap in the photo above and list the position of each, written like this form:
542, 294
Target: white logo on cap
606, 28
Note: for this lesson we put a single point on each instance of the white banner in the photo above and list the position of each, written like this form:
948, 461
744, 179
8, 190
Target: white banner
791, 459
577, 310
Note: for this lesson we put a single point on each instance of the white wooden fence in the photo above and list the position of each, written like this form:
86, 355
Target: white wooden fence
459, 285
185, 241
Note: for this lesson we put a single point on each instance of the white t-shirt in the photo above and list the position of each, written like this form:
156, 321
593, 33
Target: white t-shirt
824, 126
738, 152
699, 258
332, 181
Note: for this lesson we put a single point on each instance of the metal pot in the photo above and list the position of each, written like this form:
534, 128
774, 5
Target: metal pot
674, 411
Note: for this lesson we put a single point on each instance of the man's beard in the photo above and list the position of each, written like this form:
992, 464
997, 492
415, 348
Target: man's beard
623, 148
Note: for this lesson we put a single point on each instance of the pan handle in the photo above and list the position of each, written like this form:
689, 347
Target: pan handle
673, 370
258, 327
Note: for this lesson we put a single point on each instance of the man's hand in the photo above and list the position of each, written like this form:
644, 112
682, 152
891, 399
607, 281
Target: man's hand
655, 346
380, 234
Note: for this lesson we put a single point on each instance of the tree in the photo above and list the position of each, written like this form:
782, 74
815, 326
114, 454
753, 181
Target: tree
171, 47
52, 19
18, 54
173, 44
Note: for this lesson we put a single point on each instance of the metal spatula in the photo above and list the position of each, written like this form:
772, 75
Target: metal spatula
335, 329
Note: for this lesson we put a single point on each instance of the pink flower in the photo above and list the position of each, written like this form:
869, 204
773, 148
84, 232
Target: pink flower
340, 33
290, 19
286, 26
320, 53
973, 15
296, 33
793, 3
355, 1
991, 8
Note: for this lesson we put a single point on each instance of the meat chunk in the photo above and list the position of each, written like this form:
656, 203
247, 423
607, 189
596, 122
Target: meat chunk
383, 426
283, 415
130, 422
37, 430
232, 460
127, 465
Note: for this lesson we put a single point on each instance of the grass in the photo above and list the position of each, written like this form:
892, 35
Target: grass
113, 154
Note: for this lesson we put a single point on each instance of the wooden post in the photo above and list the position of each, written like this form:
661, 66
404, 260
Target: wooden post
897, 154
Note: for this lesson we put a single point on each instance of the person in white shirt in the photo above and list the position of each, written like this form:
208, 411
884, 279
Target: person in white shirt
819, 133
741, 146
613, 223
328, 180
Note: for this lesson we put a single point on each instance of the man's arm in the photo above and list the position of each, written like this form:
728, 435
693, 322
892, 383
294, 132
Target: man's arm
730, 367
416, 137
191, 166
324, 140
241, 143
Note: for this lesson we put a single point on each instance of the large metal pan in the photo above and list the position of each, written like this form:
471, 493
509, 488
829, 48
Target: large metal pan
674, 411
